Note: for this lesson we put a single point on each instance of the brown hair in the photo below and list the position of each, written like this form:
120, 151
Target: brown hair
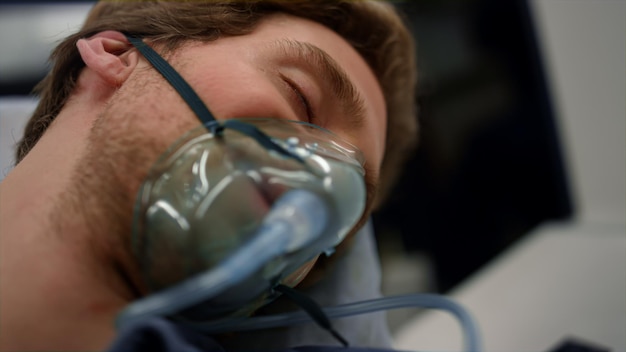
373, 28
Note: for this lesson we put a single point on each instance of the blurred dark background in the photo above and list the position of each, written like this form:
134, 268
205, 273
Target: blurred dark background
489, 167
29, 30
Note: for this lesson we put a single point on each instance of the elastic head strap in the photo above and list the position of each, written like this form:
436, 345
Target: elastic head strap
197, 105
178, 83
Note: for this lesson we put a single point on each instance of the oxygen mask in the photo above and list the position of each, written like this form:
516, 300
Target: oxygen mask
210, 199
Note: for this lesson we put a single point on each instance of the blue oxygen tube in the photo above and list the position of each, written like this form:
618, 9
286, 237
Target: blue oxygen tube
295, 220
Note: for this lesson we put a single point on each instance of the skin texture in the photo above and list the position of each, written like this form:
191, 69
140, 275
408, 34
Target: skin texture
65, 210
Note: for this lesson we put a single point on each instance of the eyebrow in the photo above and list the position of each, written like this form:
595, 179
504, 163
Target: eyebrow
327, 71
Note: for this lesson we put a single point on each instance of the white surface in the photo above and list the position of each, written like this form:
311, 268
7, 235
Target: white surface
560, 282
14, 113
584, 45
28, 33
563, 280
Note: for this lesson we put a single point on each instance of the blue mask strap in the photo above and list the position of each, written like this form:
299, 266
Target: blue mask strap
199, 108
178, 83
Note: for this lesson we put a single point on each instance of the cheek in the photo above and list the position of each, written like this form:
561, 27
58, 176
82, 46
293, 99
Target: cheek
243, 92
135, 130
229, 83
151, 107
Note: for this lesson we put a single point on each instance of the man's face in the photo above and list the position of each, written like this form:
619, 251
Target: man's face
288, 68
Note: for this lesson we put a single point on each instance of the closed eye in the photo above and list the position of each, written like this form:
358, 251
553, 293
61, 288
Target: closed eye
299, 98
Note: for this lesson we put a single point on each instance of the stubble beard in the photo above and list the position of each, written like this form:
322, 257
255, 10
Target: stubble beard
96, 210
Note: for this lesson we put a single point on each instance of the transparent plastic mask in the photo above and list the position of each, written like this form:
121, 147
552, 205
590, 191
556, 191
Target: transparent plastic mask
207, 195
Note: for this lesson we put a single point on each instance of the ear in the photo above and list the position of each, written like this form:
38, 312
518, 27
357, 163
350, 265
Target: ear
109, 55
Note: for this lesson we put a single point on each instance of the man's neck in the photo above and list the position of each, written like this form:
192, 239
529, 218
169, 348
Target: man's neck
52, 285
